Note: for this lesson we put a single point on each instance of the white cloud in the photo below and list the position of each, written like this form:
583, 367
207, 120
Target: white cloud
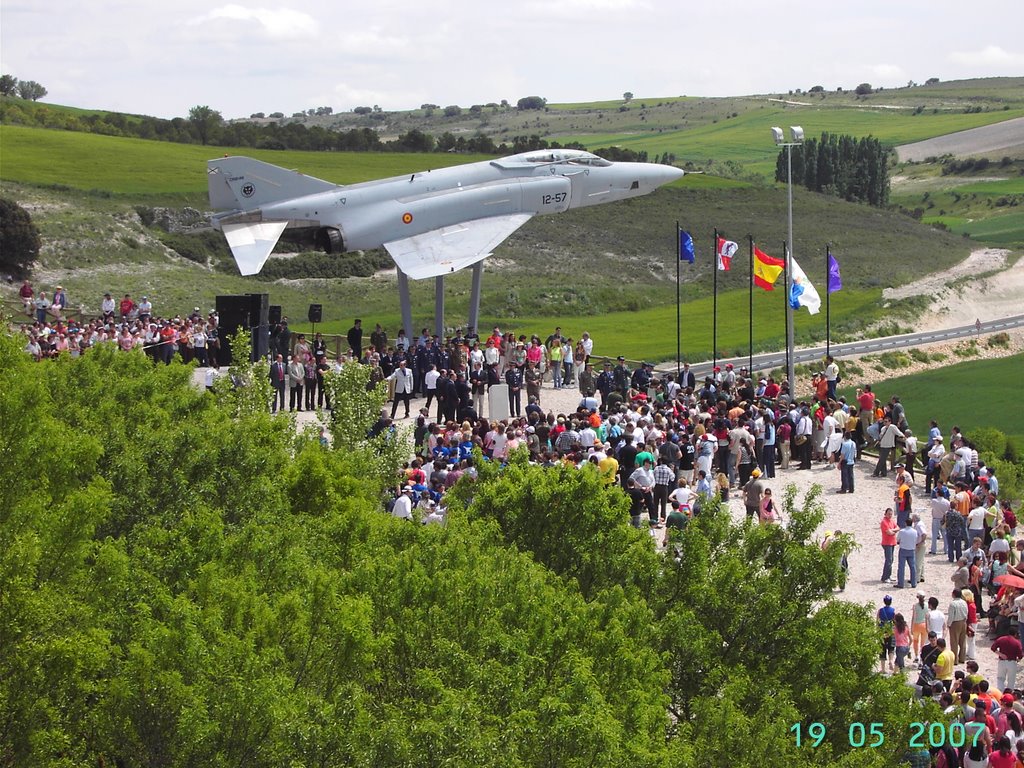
890, 73
277, 23
989, 56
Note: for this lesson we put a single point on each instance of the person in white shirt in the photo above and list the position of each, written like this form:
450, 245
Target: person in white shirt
909, 451
936, 619
831, 377
683, 495
940, 506
403, 504
588, 344
107, 306
907, 540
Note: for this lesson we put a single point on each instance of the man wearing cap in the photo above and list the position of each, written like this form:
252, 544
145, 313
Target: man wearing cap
752, 493
514, 380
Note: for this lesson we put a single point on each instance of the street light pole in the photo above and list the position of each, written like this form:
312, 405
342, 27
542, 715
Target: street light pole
798, 139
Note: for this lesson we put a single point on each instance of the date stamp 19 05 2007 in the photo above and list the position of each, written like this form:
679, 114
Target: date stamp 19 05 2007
872, 735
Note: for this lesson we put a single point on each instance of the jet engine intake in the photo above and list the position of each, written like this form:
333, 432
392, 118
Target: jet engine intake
330, 240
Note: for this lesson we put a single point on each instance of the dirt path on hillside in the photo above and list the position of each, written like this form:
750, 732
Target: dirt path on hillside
960, 295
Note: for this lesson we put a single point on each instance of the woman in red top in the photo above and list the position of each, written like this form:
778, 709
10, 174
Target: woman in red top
972, 621
1002, 756
889, 531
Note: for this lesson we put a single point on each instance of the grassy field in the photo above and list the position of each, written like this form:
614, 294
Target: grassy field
746, 139
153, 169
950, 394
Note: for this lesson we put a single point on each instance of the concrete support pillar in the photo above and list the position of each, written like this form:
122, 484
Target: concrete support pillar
474, 297
405, 304
439, 306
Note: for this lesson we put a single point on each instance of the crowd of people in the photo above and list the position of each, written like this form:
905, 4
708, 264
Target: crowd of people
974, 530
125, 322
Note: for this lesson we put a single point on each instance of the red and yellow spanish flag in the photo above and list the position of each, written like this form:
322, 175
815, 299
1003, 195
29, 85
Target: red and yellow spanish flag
766, 269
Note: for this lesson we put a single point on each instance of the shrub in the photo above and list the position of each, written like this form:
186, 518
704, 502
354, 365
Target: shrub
999, 340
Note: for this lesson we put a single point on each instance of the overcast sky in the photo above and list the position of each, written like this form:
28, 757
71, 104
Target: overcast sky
161, 58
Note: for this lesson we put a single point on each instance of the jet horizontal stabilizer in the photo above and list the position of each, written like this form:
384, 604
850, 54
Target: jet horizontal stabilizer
251, 244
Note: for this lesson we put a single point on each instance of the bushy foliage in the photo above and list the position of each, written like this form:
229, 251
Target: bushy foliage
186, 582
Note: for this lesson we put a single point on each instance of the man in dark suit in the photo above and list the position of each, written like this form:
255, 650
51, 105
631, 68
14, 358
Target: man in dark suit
686, 378
279, 381
514, 379
355, 339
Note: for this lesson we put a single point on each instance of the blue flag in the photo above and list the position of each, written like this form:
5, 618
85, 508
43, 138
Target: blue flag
686, 252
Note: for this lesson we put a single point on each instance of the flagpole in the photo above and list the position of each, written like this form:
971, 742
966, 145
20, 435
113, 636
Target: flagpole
750, 311
785, 301
679, 258
714, 310
828, 301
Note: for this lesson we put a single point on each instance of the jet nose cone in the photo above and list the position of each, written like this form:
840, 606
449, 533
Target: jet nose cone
664, 174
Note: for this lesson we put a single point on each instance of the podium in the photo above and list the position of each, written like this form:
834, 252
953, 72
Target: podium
497, 401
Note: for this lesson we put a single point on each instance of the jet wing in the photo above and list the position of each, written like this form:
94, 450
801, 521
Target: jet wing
251, 244
449, 249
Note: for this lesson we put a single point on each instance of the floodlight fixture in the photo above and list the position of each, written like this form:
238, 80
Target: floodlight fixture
798, 134
779, 137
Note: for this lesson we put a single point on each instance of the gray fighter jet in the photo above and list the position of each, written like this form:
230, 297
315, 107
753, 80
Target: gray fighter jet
432, 223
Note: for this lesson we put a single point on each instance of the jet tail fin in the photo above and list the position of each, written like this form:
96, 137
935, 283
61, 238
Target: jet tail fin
251, 244
241, 183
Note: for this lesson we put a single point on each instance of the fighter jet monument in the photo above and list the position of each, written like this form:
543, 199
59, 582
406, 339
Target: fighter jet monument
432, 223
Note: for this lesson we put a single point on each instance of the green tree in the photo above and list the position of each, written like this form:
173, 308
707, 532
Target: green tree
204, 122
31, 90
864, 89
745, 609
19, 239
531, 102
8, 85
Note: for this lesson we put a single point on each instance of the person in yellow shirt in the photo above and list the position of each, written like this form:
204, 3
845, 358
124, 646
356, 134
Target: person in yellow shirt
608, 467
944, 664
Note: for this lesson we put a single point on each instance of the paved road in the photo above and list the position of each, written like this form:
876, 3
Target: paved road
771, 360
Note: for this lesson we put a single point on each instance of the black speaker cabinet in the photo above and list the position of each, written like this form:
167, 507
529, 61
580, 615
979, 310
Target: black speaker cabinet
316, 313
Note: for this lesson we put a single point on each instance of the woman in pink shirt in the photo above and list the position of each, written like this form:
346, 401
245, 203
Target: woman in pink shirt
901, 637
889, 531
